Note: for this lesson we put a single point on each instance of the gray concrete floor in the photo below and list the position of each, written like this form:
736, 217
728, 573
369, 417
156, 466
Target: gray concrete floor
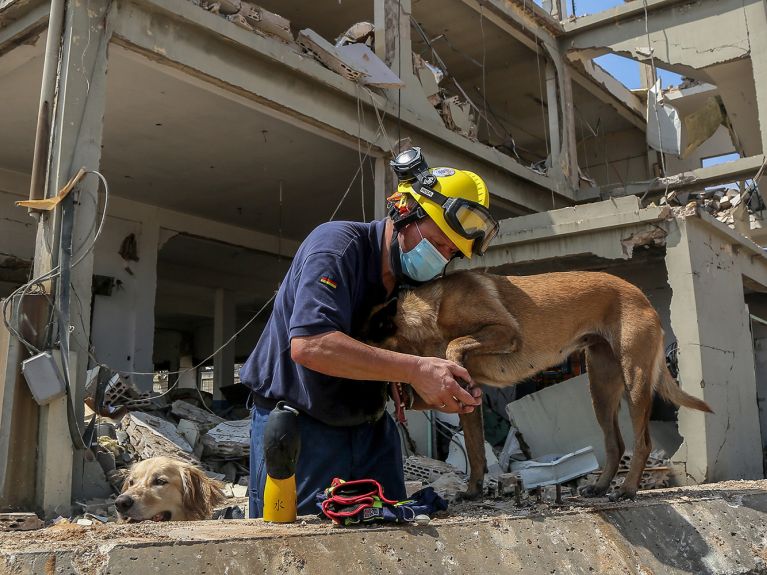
715, 528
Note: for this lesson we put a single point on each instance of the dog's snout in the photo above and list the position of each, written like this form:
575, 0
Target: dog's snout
123, 503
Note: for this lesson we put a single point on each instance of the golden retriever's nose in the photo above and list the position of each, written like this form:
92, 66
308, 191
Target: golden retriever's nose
123, 503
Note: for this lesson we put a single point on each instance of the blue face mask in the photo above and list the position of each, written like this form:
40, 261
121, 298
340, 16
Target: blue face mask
423, 262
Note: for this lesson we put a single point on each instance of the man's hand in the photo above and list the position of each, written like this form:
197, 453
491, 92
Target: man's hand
436, 382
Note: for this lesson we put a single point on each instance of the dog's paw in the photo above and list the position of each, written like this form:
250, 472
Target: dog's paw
592, 491
622, 494
468, 495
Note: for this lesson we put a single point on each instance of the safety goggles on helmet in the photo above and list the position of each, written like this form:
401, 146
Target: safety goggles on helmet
467, 218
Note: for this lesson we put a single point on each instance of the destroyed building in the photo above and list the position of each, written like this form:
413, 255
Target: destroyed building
226, 131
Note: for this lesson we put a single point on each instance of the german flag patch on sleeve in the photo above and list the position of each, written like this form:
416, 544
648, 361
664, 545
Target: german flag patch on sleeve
328, 281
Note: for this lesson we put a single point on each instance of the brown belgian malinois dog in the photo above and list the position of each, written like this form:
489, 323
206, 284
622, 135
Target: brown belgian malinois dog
504, 329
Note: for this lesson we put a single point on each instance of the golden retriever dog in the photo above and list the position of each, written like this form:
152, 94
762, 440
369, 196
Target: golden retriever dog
505, 329
165, 489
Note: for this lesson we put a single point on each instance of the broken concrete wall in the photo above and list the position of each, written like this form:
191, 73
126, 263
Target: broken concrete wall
760, 364
17, 239
728, 40
718, 144
123, 316
614, 157
716, 361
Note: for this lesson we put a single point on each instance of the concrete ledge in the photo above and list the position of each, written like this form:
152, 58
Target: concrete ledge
719, 528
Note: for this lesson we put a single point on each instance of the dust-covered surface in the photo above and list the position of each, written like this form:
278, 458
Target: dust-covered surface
716, 528
71, 536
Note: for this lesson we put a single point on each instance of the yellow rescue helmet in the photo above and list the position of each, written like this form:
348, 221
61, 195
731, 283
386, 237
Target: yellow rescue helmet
451, 183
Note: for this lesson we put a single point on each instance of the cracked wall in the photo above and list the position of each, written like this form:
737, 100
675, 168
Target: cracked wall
716, 362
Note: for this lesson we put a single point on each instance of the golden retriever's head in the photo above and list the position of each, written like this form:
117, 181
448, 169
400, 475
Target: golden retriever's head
165, 489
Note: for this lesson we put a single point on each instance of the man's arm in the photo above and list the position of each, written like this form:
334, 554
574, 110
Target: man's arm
434, 379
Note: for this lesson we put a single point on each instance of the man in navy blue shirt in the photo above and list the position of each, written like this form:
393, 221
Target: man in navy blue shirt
308, 355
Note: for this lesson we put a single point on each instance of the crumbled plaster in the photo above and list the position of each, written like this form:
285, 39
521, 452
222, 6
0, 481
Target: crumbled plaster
653, 237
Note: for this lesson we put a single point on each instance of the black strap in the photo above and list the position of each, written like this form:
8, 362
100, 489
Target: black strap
263, 402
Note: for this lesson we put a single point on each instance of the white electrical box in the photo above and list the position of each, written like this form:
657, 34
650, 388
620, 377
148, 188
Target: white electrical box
43, 378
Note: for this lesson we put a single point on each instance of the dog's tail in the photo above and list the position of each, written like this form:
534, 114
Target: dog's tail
670, 391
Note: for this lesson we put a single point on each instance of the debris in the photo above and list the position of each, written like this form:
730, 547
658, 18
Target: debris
458, 458
555, 469
228, 439
240, 490
449, 485
359, 33
326, 53
259, 19
670, 132
355, 62
224, 7
151, 436
560, 419
644, 52
419, 467
430, 76
252, 18
190, 431
20, 522
229, 512
507, 484
412, 486
459, 117
656, 475
204, 419
654, 237
376, 73
511, 450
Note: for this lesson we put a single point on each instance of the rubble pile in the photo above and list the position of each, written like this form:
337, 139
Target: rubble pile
656, 474
728, 205
177, 424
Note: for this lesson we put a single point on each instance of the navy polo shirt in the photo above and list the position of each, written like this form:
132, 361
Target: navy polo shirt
332, 285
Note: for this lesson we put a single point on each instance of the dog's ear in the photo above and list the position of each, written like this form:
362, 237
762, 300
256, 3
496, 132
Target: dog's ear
380, 324
201, 493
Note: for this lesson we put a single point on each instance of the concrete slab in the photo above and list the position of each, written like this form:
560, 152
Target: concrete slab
560, 419
718, 528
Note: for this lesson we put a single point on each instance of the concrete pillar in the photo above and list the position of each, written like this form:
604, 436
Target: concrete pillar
394, 47
555, 143
76, 142
760, 363
757, 20
710, 320
559, 94
143, 312
223, 328
187, 379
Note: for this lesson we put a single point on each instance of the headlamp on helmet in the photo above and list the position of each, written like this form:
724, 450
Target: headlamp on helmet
468, 219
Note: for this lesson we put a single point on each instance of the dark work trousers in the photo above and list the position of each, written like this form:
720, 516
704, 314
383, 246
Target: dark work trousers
365, 451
